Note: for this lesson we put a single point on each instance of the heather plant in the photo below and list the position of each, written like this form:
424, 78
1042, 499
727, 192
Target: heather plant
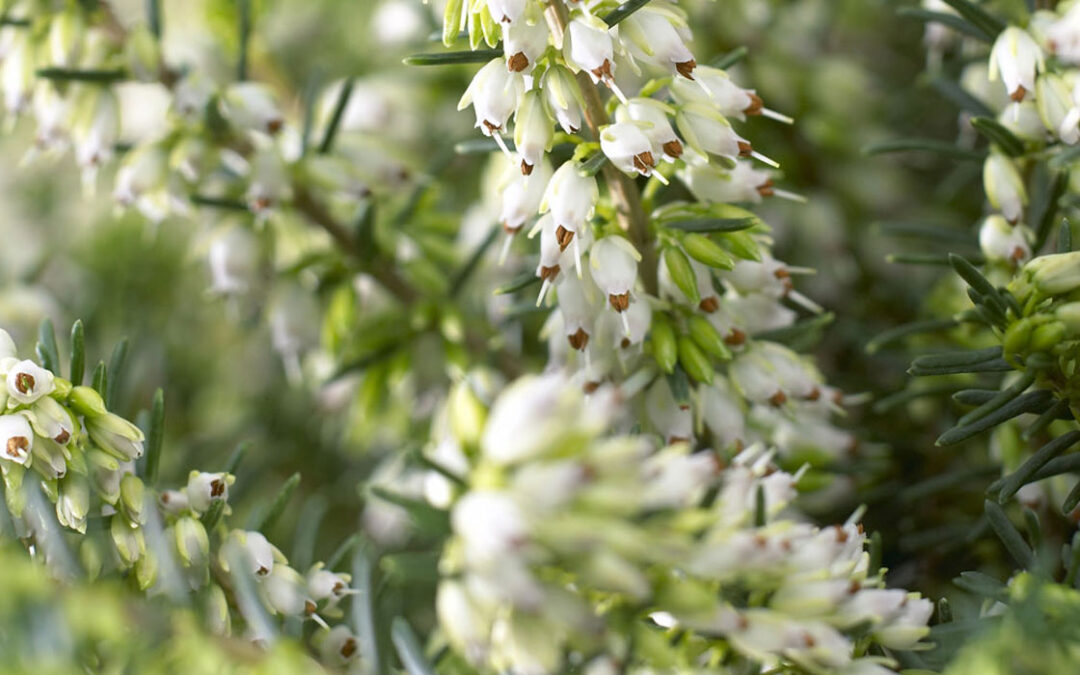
543, 398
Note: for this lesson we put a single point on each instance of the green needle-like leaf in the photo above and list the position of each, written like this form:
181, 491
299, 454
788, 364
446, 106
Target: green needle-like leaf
453, 58
998, 134
47, 351
1034, 401
623, 11
1022, 476
78, 353
1010, 536
154, 437
116, 371
277, 507
408, 648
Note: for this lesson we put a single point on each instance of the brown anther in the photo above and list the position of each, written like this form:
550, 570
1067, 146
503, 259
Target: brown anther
760, 541
756, 104
24, 382
709, 304
1019, 93
62, 437
590, 387
165, 498
604, 71
262, 571
310, 607
625, 343
1018, 255
564, 237
673, 149
644, 162
841, 534
490, 127
739, 445
838, 397
621, 302
766, 189
511, 230
518, 62
778, 399
686, 68
348, 648
745, 149
338, 588
741, 622
579, 339
274, 125
785, 545
854, 587
672, 440
217, 487
814, 395
17, 446
526, 168
783, 275
549, 273
859, 528
808, 640
261, 204
735, 337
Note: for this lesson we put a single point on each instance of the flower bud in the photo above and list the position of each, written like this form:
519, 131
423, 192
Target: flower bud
708, 132
284, 592
133, 498
216, 611
73, 503
192, 542
659, 36
106, 473
27, 382
532, 130
652, 118
664, 346
564, 98
682, 275
16, 439
324, 584
705, 336
87, 401
146, 571
706, 251
116, 436
1057, 109
1004, 186
694, 361
128, 540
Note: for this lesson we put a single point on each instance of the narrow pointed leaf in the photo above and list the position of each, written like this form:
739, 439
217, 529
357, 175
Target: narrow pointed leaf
408, 648
978, 16
1022, 476
929, 145
712, 224
524, 281
623, 11
47, 351
999, 399
116, 370
1009, 536
363, 612
999, 135
277, 507
731, 58
951, 20
78, 353
155, 436
342, 102
1035, 401
100, 378
453, 58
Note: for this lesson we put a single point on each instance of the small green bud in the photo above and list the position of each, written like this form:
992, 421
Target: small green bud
742, 245
104, 469
90, 557
1047, 336
1017, 336
1055, 274
86, 401
1069, 315
451, 21
61, 389
116, 436
708, 338
146, 571
694, 361
682, 274
132, 498
74, 502
706, 251
128, 539
192, 542
467, 414
664, 348
217, 610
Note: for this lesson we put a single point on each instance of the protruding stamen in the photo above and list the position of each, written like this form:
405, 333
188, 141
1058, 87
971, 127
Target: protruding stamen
577, 256
543, 291
505, 251
501, 143
779, 117
765, 160
625, 327
790, 196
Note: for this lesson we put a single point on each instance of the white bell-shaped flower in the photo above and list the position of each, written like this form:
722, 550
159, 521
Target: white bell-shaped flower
520, 198
1015, 58
589, 47
709, 133
578, 309
613, 264
506, 11
524, 44
491, 525
17, 75
638, 320
743, 183
1057, 109
723, 413
493, 94
532, 130
653, 119
233, 260
1063, 36
1004, 186
203, 489
659, 35
95, 128
324, 584
628, 148
250, 105
27, 382
674, 422
1002, 241
716, 88
528, 417
260, 552
16, 439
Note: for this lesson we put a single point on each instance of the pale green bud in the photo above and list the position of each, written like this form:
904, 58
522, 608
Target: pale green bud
682, 274
49, 459
90, 557
1053, 99
1055, 274
467, 414
105, 470
707, 252
66, 32
146, 571
86, 401
73, 503
217, 611
1004, 186
664, 347
116, 435
192, 542
132, 498
128, 540
52, 420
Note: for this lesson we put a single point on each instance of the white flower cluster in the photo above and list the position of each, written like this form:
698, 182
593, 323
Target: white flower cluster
714, 292
569, 544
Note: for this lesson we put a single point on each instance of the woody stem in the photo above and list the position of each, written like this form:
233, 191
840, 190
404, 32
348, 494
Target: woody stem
624, 193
